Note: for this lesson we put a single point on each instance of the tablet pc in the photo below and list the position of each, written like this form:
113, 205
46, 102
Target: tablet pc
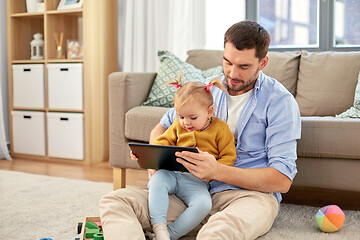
159, 156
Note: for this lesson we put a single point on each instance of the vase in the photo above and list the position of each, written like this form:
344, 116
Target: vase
31, 5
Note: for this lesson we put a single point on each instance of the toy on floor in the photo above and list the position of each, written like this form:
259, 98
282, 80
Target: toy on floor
99, 236
330, 218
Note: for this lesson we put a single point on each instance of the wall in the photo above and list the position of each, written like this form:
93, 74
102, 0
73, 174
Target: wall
3, 68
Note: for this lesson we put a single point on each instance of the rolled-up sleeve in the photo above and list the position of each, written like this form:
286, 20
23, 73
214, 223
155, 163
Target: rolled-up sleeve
281, 135
168, 118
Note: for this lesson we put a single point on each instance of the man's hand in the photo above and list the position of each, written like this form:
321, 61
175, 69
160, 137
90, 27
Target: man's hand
204, 165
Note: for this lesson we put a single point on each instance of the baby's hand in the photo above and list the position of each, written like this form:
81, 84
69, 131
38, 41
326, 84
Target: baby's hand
133, 157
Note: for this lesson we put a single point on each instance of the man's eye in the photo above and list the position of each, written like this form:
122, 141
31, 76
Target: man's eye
244, 67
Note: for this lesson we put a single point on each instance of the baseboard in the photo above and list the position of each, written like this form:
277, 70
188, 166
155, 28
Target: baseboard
319, 197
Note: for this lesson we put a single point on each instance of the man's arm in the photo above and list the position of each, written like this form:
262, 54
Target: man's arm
156, 132
260, 179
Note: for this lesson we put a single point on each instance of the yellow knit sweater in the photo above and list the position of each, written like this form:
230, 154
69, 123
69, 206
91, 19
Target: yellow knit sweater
217, 140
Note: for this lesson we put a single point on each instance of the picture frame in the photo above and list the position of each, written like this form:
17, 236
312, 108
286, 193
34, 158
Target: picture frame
74, 49
69, 4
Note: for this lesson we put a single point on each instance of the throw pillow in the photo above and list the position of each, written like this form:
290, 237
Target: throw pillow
212, 72
354, 111
171, 67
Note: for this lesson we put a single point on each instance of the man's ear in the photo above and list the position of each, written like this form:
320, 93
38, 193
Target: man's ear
264, 62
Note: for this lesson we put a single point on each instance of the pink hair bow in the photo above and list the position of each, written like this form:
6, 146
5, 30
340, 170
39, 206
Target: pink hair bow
208, 87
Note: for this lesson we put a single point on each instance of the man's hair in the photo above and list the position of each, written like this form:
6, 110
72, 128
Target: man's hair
248, 35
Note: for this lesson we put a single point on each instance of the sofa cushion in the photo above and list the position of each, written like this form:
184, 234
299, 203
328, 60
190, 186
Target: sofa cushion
329, 137
326, 82
139, 121
354, 111
283, 66
205, 59
336, 173
161, 95
171, 67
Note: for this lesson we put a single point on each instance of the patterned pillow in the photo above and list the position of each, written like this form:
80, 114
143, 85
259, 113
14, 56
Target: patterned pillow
171, 67
354, 111
212, 71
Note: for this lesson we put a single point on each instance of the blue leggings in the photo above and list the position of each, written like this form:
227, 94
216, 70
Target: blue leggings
190, 189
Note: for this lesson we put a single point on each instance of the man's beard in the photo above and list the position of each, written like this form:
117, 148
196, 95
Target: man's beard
244, 85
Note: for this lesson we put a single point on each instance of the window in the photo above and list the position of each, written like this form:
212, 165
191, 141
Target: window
290, 23
347, 23
309, 24
220, 15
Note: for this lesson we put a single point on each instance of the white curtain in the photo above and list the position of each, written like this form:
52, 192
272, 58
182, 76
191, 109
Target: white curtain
4, 153
152, 25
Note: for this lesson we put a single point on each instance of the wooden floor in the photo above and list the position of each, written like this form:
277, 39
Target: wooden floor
102, 172
99, 172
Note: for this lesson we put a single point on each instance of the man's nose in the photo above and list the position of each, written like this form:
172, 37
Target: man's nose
233, 73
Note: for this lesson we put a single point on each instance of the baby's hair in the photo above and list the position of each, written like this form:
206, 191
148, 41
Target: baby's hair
195, 90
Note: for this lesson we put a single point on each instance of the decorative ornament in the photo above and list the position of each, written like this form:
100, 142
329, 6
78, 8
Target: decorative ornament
37, 47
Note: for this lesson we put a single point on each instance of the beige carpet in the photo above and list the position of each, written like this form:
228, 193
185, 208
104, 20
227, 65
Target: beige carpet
34, 207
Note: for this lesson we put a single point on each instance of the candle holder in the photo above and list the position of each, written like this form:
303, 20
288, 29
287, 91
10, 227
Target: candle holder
37, 47
59, 43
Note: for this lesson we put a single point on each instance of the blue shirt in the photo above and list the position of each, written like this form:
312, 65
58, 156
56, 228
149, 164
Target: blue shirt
266, 130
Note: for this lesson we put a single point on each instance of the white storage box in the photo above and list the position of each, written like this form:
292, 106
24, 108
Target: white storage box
65, 86
28, 85
28, 132
66, 135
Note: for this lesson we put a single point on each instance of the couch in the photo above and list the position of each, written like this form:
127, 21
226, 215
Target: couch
323, 84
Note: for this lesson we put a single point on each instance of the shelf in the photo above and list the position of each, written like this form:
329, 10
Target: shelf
65, 61
35, 15
26, 61
23, 32
94, 26
29, 109
76, 11
70, 24
65, 111
47, 110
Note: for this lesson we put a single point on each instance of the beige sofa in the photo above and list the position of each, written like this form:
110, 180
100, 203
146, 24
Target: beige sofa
323, 84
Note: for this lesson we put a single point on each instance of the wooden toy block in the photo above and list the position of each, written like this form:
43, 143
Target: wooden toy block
90, 232
99, 236
99, 225
91, 225
83, 229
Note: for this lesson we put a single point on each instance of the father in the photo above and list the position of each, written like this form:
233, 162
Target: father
265, 120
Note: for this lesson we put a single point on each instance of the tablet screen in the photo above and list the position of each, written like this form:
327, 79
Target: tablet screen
159, 156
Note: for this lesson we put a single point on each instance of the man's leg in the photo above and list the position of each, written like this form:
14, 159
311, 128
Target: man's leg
240, 214
124, 213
